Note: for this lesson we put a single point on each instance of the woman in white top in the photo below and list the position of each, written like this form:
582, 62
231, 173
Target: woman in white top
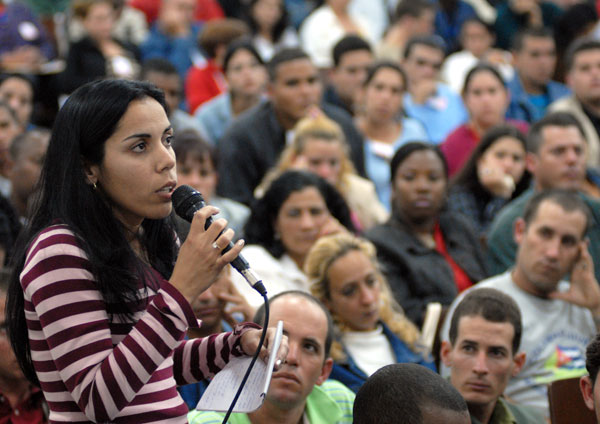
270, 27
327, 25
297, 208
372, 330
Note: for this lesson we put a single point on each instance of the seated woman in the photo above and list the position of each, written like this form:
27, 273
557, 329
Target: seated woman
383, 125
319, 146
246, 79
204, 79
486, 97
372, 330
493, 175
98, 54
297, 208
428, 254
270, 30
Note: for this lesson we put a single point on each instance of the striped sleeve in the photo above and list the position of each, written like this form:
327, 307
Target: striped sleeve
76, 355
198, 359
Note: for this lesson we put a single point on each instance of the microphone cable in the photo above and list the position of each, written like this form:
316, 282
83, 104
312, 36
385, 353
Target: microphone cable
186, 201
254, 358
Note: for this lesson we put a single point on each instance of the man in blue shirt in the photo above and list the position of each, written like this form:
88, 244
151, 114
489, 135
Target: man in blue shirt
532, 89
434, 104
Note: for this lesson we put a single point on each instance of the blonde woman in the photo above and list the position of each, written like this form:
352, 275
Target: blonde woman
319, 146
371, 329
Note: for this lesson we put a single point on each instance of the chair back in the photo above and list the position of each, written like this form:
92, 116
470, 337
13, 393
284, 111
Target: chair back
566, 403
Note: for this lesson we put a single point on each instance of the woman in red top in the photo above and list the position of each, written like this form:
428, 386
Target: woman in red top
206, 80
486, 97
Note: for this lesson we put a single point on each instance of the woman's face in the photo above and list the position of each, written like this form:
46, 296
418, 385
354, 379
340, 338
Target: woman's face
507, 154
486, 99
324, 158
266, 13
137, 173
99, 20
383, 95
198, 173
419, 188
354, 291
299, 221
245, 75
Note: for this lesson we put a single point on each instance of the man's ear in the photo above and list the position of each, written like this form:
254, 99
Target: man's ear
446, 353
519, 230
531, 162
587, 391
325, 371
519, 361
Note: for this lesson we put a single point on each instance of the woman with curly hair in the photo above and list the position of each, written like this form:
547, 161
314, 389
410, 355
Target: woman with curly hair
372, 330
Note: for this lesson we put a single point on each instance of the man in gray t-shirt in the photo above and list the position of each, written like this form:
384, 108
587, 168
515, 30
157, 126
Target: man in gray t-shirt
559, 318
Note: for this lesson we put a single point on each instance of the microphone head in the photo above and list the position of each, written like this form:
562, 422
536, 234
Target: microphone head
186, 201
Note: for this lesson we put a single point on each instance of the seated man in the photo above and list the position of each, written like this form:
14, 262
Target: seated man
163, 74
483, 354
174, 35
434, 104
556, 159
532, 89
411, 18
27, 153
408, 394
582, 62
352, 56
299, 390
253, 142
210, 307
589, 389
559, 318
20, 401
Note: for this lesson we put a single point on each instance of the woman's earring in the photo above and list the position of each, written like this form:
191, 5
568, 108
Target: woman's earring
94, 186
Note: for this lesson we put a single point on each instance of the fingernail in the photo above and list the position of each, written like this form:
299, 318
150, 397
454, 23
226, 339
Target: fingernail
277, 364
240, 242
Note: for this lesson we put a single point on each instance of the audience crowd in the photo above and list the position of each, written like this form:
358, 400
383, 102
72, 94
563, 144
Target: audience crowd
417, 183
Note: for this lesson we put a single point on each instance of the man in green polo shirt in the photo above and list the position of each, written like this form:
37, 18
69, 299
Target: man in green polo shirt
483, 354
299, 390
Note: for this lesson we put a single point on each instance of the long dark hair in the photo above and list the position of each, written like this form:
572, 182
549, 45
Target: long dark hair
482, 67
260, 227
278, 28
88, 118
467, 177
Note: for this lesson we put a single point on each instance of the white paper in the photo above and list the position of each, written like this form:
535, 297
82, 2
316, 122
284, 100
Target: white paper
222, 389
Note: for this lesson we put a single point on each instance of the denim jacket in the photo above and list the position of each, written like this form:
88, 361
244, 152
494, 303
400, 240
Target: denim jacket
352, 376
522, 108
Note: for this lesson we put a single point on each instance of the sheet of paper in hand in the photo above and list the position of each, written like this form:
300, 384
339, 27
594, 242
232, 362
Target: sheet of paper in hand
220, 392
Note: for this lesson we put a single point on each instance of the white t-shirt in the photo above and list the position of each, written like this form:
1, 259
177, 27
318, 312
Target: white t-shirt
370, 350
555, 336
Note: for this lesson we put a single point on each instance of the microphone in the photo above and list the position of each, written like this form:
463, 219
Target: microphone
186, 202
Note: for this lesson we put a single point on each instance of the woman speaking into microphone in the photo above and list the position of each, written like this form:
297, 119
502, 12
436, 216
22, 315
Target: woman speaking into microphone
99, 301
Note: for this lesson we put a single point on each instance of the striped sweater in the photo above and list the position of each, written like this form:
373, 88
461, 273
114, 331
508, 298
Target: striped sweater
94, 367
